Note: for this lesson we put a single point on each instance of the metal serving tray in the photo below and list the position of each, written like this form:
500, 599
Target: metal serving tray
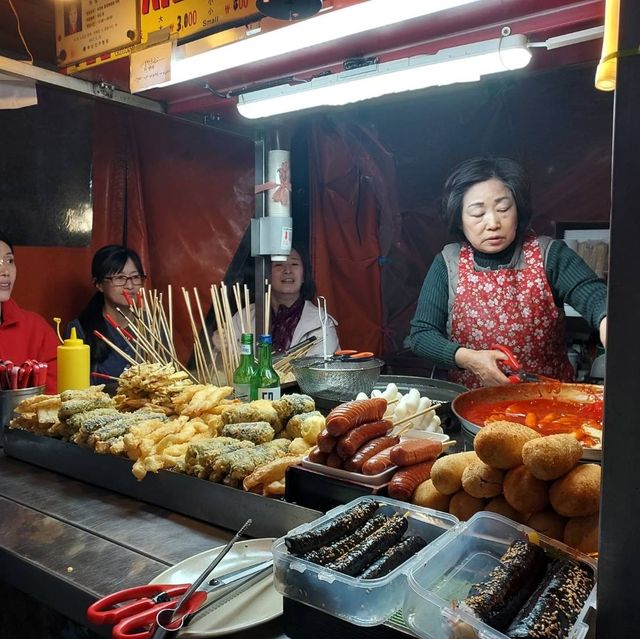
214, 503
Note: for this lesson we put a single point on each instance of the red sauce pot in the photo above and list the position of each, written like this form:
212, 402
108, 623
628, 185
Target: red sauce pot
547, 407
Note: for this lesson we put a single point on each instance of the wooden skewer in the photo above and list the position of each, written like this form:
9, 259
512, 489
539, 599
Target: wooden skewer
247, 309
231, 333
222, 334
206, 335
104, 376
267, 311
196, 338
170, 304
420, 413
238, 297
120, 352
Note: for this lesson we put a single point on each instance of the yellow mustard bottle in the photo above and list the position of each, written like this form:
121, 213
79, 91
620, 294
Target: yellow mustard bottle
74, 364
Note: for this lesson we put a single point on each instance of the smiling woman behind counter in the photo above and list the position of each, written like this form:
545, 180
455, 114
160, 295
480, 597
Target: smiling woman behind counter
294, 318
500, 284
117, 274
23, 334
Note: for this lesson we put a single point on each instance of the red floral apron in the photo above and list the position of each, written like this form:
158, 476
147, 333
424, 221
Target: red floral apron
514, 307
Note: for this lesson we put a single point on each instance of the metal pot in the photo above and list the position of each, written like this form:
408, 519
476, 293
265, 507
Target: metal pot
579, 393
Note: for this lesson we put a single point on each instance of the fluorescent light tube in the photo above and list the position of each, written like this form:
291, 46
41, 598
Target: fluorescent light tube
325, 27
466, 63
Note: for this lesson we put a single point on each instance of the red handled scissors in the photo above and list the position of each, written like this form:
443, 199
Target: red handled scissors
518, 374
134, 611
137, 612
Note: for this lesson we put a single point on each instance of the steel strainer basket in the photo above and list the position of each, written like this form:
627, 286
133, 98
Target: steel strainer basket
335, 379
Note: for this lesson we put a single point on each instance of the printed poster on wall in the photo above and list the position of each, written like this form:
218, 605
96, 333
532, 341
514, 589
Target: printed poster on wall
90, 28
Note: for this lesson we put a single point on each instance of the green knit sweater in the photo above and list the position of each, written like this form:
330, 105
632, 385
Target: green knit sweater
572, 282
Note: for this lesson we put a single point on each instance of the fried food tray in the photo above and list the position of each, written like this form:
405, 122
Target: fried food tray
213, 503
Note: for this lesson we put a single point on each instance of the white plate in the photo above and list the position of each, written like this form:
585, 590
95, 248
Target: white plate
256, 605
369, 480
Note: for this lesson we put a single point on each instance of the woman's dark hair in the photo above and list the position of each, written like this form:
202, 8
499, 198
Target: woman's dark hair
109, 260
308, 289
481, 169
5, 239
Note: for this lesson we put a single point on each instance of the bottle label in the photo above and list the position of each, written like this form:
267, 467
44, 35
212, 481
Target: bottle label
242, 392
245, 349
269, 393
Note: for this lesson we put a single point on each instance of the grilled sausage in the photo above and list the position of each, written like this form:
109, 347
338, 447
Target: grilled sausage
325, 442
367, 452
341, 526
414, 451
555, 604
334, 460
351, 441
317, 456
334, 551
406, 480
351, 414
497, 600
378, 463
395, 556
365, 553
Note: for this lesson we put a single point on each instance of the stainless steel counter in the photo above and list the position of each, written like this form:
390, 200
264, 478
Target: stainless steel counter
67, 543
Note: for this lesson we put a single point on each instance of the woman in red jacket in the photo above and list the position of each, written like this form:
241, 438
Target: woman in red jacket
23, 334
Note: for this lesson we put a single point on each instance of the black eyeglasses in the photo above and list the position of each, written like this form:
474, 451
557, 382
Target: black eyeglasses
121, 280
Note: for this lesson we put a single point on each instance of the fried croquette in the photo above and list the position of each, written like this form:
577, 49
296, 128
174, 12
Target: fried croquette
428, 496
500, 443
549, 523
524, 492
482, 481
550, 457
446, 473
500, 506
464, 506
577, 494
582, 533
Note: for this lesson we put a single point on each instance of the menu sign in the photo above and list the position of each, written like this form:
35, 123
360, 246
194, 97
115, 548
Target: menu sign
181, 18
89, 28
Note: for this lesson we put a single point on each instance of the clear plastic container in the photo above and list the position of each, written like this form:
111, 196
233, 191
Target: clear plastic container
364, 602
465, 556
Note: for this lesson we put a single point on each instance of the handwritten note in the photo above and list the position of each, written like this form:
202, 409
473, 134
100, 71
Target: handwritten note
150, 67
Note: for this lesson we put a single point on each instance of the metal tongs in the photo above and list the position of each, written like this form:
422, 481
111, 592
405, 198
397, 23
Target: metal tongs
170, 620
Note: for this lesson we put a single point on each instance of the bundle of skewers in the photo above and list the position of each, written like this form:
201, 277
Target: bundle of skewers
148, 329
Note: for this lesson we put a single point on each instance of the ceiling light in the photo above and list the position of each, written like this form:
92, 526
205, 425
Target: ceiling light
466, 63
191, 62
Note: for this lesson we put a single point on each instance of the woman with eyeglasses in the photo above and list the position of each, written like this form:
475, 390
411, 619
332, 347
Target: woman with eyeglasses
24, 335
118, 275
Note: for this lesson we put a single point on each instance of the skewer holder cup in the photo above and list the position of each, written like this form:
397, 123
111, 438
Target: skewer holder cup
9, 400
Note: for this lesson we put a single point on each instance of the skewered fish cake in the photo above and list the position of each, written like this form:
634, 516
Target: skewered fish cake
243, 462
202, 457
82, 405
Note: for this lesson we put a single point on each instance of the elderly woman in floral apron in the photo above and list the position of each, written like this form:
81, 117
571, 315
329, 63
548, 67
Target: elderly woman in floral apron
500, 284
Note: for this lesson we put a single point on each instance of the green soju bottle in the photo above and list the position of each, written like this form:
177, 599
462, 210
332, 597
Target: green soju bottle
266, 383
243, 375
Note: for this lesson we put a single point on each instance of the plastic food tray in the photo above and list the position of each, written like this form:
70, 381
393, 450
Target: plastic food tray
369, 480
363, 602
372, 480
465, 556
